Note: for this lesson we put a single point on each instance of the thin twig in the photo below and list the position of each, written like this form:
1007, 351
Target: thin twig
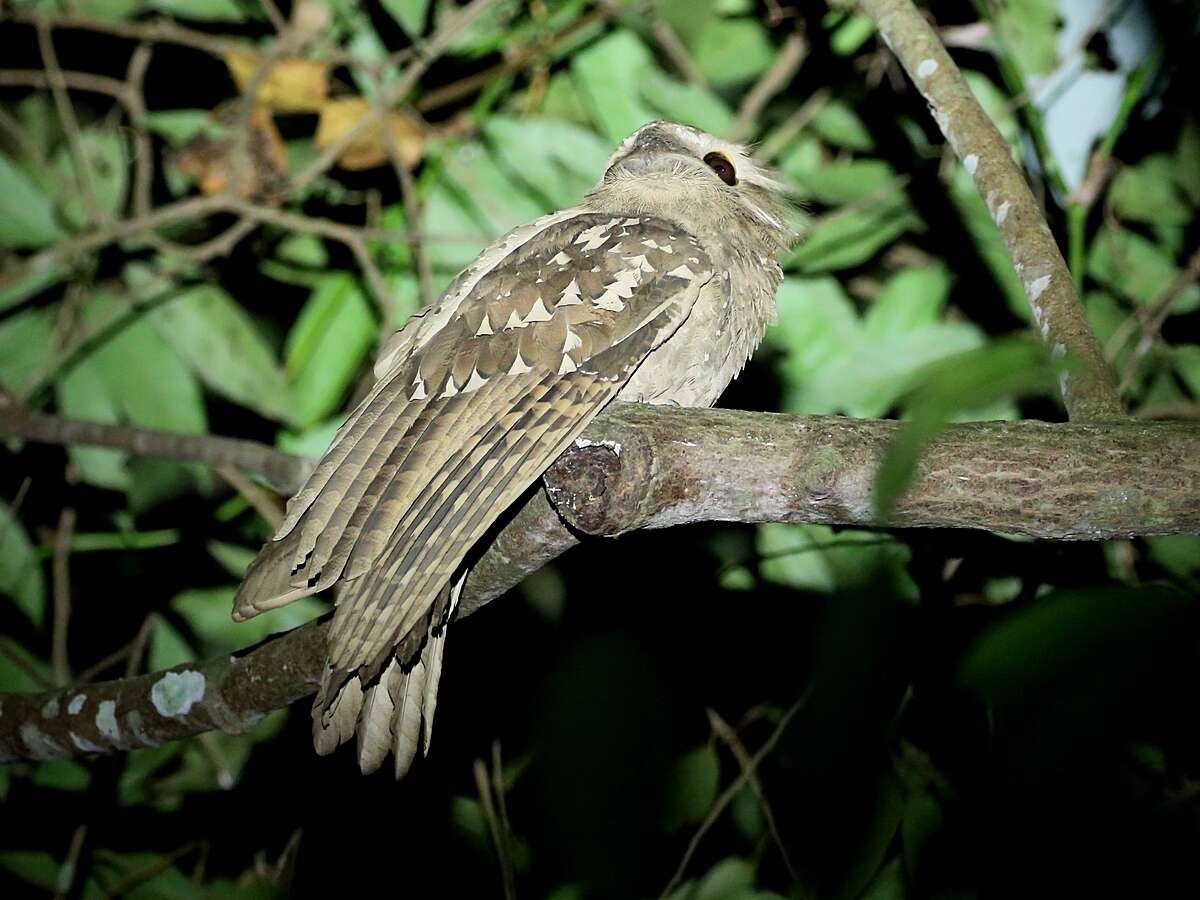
62, 595
69, 870
283, 470
265, 504
131, 653
145, 873
483, 786
1157, 314
412, 212
438, 44
143, 149
668, 40
67, 119
9, 653
780, 74
727, 796
794, 124
729, 737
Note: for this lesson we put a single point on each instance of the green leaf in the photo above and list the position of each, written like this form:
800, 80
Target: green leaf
201, 10
1187, 151
911, 299
687, 18
681, 102
26, 213
841, 181
1129, 264
607, 76
132, 375
32, 281
409, 15
33, 866
327, 345
304, 250
692, 787
966, 381
61, 775
206, 610
839, 125
107, 157
852, 236
234, 558
26, 340
1030, 32
851, 34
224, 348
487, 191
733, 51
1179, 554
1147, 192
814, 558
178, 126
16, 676
20, 571
1093, 632
557, 160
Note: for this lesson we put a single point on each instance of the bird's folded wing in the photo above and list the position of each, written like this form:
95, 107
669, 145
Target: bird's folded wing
464, 423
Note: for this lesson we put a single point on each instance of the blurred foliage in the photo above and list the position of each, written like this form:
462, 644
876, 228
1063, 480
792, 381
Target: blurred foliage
979, 708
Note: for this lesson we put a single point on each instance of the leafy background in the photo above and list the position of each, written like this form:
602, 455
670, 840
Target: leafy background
977, 709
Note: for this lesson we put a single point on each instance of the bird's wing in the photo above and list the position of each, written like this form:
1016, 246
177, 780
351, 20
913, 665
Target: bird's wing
468, 414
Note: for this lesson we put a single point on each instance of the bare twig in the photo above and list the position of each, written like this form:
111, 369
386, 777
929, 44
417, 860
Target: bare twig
729, 737
780, 74
69, 870
1090, 393
412, 212
283, 470
143, 150
62, 595
264, 503
668, 40
727, 796
70, 124
495, 827
127, 653
1157, 314
145, 873
794, 124
436, 46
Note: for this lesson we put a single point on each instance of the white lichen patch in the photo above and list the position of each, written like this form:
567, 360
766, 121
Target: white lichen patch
75, 707
1002, 212
614, 446
84, 745
176, 692
50, 708
971, 163
39, 744
1038, 286
926, 67
106, 720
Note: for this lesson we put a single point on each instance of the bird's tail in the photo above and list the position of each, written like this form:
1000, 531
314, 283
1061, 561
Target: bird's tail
394, 713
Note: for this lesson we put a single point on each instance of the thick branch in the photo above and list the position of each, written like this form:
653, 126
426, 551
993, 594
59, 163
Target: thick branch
1090, 393
652, 467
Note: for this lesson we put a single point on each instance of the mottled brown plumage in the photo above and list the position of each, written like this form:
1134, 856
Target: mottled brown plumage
656, 288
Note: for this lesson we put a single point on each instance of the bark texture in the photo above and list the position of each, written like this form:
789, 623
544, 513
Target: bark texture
653, 467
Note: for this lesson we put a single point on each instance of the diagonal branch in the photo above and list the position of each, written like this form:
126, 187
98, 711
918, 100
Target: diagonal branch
649, 467
1090, 394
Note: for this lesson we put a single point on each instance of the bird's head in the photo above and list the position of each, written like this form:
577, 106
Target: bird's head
707, 183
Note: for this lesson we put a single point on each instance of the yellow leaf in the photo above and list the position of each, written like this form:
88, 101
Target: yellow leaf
368, 149
289, 86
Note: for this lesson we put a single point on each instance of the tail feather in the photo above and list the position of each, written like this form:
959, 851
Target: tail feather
394, 715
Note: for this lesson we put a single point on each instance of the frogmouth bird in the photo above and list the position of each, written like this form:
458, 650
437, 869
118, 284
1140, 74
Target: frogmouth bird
656, 288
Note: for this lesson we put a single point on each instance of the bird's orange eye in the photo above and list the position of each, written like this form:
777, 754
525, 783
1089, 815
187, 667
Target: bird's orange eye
720, 164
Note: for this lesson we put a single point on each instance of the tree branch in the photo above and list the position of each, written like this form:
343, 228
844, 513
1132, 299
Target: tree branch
651, 467
1090, 394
